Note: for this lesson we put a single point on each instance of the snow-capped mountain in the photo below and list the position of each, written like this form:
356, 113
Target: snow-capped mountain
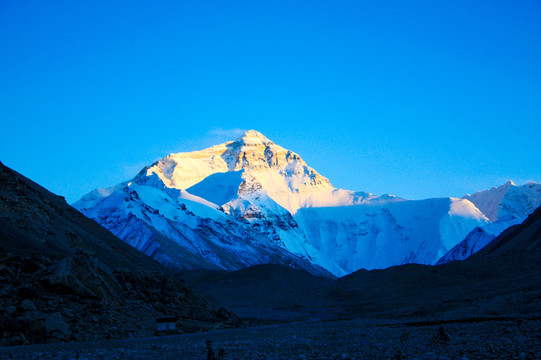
251, 201
245, 169
505, 206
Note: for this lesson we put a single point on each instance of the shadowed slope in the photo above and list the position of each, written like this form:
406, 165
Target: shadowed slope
36, 221
64, 277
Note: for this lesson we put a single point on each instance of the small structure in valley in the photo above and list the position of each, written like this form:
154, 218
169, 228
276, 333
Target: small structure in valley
166, 323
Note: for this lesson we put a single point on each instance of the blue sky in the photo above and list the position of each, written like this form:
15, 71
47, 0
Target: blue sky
414, 98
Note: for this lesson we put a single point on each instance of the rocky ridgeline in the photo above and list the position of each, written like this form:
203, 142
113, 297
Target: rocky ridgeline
80, 298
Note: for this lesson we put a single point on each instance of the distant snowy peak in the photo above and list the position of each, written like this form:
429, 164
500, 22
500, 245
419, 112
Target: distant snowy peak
505, 206
488, 201
507, 200
521, 201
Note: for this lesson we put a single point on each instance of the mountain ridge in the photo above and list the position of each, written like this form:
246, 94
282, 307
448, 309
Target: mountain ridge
254, 186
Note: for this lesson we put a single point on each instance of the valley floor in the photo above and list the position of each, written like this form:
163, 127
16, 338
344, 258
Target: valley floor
518, 338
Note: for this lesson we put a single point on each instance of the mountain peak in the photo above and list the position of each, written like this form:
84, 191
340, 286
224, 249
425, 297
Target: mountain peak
510, 183
266, 164
252, 137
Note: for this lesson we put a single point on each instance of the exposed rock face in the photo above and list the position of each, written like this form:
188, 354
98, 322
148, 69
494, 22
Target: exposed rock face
252, 151
86, 276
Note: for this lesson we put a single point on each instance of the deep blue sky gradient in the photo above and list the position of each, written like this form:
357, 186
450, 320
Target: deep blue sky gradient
414, 98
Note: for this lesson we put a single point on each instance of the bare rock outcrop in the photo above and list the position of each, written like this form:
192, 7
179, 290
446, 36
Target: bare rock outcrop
86, 276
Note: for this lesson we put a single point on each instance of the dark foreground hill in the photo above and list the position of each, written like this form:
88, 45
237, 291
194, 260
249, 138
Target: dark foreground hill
36, 221
502, 280
64, 277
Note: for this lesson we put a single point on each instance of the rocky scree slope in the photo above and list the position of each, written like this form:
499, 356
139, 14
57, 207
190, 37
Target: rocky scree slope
64, 277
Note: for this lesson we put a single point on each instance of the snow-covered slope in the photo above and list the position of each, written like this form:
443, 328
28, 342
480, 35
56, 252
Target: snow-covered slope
251, 201
183, 231
505, 206
508, 199
379, 235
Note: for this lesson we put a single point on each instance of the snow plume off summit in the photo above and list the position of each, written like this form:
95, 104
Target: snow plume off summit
250, 201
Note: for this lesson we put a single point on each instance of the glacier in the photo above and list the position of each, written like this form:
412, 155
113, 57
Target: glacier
250, 201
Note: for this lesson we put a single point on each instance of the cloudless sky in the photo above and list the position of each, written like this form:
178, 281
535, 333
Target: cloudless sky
414, 98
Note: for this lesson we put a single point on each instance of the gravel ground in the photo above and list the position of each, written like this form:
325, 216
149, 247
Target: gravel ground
346, 339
